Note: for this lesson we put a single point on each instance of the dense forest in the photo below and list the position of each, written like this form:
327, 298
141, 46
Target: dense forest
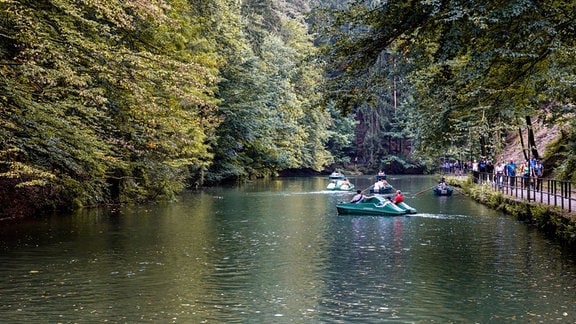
108, 101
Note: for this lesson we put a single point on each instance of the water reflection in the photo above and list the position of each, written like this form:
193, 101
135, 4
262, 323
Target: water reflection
276, 251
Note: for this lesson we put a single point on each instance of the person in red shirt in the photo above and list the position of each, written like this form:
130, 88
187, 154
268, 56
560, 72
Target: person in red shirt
398, 198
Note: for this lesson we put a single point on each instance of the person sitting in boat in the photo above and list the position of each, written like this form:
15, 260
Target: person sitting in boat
399, 198
388, 201
385, 202
344, 184
377, 186
358, 197
442, 184
381, 173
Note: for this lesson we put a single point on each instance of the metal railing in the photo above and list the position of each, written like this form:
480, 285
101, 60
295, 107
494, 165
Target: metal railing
543, 190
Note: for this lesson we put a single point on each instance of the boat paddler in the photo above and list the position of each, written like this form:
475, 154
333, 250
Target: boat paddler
358, 197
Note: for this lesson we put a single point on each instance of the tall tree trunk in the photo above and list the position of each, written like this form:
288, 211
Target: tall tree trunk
522, 145
483, 144
531, 141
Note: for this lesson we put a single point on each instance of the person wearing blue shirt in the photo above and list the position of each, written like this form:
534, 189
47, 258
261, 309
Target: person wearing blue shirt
511, 172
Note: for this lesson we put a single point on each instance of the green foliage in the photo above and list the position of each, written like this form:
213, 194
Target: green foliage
89, 90
540, 213
551, 220
472, 70
341, 136
566, 170
108, 101
562, 154
393, 159
271, 116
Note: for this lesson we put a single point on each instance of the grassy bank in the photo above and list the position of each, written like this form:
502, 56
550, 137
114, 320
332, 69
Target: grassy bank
558, 224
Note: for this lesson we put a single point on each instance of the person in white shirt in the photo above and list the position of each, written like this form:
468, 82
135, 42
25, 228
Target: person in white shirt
499, 172
377, 186
538, 173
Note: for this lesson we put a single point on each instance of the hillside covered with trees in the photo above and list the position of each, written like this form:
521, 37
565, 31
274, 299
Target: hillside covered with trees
108, 101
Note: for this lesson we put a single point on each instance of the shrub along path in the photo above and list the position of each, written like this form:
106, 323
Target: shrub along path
552, 210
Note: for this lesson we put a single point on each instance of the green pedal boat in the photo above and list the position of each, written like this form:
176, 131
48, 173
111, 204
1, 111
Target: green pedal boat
374, 206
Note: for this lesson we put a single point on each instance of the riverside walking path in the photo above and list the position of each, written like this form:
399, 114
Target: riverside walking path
550, 192
558, 219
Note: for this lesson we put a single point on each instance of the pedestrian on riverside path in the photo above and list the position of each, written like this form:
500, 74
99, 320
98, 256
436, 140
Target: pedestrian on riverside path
499, 173
475, 171
510, 170
525, 172
490, 170
538, 173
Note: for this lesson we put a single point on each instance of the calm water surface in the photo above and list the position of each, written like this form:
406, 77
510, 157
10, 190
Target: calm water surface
277, 251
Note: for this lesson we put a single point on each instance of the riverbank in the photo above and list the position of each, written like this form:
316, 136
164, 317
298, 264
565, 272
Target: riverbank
558, 224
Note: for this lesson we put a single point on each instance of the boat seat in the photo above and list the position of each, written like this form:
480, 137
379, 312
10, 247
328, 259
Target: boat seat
382, 203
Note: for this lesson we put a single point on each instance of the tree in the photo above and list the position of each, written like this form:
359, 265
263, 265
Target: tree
102, 101
271, 119
373, 89
476, 68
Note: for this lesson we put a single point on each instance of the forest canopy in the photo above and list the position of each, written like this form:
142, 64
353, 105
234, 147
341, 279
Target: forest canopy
464, 74
107, 101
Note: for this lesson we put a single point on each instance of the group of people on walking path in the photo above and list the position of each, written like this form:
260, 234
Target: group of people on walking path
530, 172
524, 180
532, 168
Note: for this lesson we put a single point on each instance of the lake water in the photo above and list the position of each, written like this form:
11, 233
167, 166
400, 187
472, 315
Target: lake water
277, 251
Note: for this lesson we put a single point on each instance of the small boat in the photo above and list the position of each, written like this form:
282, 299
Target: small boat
380, 177
340, 185
336, 176
384, 190
406, 208
370, 206
443, 191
